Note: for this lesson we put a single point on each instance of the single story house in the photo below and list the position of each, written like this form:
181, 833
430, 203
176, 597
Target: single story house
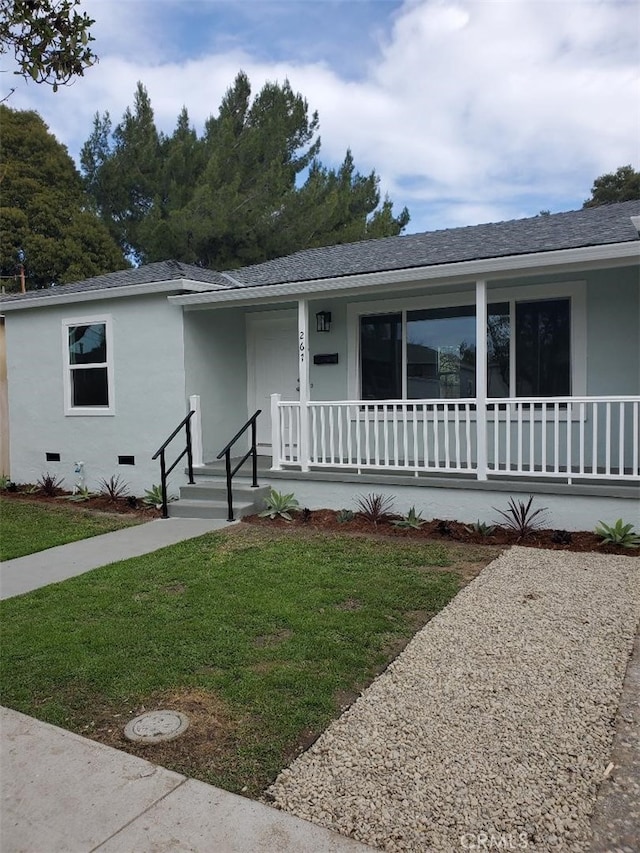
450, 369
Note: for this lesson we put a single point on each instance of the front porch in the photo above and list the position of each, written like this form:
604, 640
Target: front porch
568, 440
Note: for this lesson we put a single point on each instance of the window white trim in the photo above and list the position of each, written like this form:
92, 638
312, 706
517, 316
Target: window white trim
573, 290
75, 411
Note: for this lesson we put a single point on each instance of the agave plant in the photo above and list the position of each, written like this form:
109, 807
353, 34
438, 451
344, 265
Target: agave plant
278, 505
412, 520
153, 497
344, 515
618, 533
481, 528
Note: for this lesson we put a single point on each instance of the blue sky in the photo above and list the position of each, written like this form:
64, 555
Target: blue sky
469, 110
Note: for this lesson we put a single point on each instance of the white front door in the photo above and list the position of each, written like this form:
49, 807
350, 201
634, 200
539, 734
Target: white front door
272, 357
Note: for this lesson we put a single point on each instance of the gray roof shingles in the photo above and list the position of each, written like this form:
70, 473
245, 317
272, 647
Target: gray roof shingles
588, 227
545, 233
148, 274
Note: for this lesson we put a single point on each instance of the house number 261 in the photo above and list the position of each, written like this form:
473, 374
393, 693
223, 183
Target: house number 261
301, 346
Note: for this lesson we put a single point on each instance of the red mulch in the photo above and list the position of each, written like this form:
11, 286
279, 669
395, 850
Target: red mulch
438, 530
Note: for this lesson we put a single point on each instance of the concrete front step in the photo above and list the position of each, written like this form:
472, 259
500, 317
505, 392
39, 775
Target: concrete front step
209, 500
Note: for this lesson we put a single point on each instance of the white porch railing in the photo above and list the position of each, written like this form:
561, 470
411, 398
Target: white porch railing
562, 437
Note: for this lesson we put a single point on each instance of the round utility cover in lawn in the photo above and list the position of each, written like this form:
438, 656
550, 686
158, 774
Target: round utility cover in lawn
156, 726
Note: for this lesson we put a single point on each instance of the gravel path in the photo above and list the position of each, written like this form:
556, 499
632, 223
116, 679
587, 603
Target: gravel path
497, 718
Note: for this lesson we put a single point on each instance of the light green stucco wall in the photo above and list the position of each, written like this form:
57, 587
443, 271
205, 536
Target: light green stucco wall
216, 370
613, 332
149, 392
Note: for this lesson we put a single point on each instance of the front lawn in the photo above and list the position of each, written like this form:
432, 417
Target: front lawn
260, 636
27, 527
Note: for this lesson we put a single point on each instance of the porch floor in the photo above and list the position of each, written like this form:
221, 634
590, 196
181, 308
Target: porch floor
503, 483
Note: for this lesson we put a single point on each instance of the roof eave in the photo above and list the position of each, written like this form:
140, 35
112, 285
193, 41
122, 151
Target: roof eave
614, 254
59, 297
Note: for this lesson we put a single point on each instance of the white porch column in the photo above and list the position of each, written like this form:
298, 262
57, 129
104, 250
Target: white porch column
303, 379
276, 434
196, 431
481, 378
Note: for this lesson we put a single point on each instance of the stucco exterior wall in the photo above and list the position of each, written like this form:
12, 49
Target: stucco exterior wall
613, 332
612, 299
216, 370
149, 393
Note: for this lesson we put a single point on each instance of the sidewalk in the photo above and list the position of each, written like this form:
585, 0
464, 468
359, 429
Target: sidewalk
62, 793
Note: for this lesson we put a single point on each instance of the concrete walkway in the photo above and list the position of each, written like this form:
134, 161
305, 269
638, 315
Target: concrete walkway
66, 561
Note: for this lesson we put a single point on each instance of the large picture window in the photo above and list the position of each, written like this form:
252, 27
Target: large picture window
431, 353
88, 367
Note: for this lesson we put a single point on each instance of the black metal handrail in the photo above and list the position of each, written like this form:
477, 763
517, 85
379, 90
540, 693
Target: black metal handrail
164, 471
226, 452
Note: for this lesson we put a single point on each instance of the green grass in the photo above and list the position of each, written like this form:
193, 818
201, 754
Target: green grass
26, 528
262, 633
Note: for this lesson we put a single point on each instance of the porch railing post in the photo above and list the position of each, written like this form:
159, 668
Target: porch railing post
163, 485
481, 380
276, 434
254, 455
189, 453
196, 431
304, 435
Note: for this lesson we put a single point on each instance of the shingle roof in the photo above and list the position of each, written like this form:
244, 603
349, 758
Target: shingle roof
148, 274
588, 227
594, 226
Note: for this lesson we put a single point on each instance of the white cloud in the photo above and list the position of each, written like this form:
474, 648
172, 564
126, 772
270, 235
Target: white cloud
468, 109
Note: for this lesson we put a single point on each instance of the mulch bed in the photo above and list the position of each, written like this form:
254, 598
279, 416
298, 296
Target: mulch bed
95, 503
435, 530
439, 530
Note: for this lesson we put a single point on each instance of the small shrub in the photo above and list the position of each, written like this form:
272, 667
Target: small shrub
411, 520
80, 495
375, 508
480, 528
49, 485
444, 528
344, 515
278, 505
522, 518
114, 488
132, 501
618, 533
153, 497
5, 482
12, 487
306, 514
561, 537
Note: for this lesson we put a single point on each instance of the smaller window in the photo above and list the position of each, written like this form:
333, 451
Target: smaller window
88, 386
52, 457
126, 460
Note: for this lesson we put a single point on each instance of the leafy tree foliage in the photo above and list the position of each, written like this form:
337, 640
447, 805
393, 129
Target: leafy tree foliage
49, 39
45, 217
621, 185
249, 189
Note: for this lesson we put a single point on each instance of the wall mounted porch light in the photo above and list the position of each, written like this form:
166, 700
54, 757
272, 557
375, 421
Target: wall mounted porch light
323, 321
